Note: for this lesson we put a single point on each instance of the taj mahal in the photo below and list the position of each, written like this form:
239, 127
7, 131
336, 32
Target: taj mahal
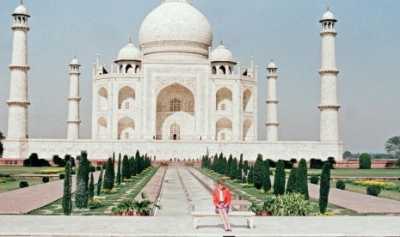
174, 94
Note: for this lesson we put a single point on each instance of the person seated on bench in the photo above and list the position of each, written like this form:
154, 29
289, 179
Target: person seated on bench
222, 199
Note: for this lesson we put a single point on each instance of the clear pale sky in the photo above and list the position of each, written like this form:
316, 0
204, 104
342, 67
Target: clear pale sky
284, 30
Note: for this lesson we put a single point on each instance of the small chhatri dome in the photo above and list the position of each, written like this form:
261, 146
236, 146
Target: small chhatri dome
21, 10
129, 53
328, 16
74, 61
175, 26
222, 54
272, 65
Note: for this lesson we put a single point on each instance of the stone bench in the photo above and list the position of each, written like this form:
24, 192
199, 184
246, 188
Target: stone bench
237, 214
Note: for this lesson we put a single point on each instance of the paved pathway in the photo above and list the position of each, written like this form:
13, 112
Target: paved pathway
94, 226
358, 202
25, 200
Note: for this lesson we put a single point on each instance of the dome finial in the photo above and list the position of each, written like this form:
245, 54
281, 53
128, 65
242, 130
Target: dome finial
130, 40
21, 2
221, 42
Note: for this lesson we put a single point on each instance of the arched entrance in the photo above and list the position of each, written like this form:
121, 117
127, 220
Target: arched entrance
175, 113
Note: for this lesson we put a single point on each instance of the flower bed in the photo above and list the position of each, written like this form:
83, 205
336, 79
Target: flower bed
385, 185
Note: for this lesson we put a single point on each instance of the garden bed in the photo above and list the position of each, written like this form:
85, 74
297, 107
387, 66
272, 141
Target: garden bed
104, 203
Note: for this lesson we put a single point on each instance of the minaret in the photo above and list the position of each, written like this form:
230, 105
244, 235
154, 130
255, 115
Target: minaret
18, 101
74, 99
272, 123
329, 106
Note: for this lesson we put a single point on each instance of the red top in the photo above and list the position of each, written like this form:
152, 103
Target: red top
226, 196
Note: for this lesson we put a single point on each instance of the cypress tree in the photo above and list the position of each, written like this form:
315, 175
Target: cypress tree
302, 179
229, 167
280, 178
138, 164
250, 175
239, 171
125, 168
246, 169
67, 197
119, 177
91, 186
82, 192
267, 184
100, 181
324, 187
132, 166
259, 173
109, 175
291, 185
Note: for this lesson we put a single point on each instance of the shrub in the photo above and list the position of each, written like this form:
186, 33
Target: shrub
267, 184
109, 176
91, 186
291, 184
365, 161
34, 161
61, 176
332, 162
316, 164
58, 161
398, 163
340, 184
324, 187
100, 182
374, 190
67, 195
292, 204
119, 176
82, 192
301, 179
23, 184
314, 179
98, 168
272, 163
45, 179
280, 178
95, 203
259, 173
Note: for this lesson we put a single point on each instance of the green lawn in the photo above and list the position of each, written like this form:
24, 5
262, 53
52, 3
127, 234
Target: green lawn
250, 193
127, 190
360, 173
14, 173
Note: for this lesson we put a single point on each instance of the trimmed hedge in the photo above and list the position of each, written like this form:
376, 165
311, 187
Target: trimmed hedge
365, 161
340, 184
374, 190
45, 179
23, 184
314, 179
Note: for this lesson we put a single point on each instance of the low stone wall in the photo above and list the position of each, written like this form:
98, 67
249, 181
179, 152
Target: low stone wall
162, 150
376, 164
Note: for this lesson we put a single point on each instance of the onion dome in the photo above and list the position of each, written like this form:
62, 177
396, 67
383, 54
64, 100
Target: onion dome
21, 10
222, 54
175, 26
129, 53
74, 61
328, 16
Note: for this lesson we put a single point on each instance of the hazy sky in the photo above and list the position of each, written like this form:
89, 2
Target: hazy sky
285, 30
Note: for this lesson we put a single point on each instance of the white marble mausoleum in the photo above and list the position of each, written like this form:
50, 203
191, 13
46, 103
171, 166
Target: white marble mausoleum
174, 94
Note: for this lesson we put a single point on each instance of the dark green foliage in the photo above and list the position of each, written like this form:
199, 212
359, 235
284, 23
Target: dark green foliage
392, 147
246, 169
2, 137
398, 163
125, 168
332, 162
259, 173
288, 164
291, 184
365, 161
91, 186
45, 179
82, 191
340, 184
280, 178
23, 184
272, 163
314, 179
70, 159
58, 161
267, 184
324, 187
250, 176
109, 175
374, 190
302, 179
67, 196
119, 176
61, 176
316, 164
100, 182
132, 166
34, 161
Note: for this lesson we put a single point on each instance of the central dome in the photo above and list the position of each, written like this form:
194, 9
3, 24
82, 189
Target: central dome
175, 26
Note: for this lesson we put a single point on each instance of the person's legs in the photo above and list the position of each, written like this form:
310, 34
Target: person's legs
225, 218
221, 214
